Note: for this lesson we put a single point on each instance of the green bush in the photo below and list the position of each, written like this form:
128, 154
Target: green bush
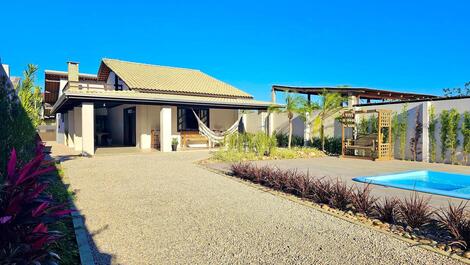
283, 140
16, 128
332, 144
258, 143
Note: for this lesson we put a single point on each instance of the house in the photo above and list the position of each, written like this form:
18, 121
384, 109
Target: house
142, 105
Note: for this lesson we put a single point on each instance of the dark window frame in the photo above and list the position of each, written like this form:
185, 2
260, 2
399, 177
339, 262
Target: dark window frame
182, 112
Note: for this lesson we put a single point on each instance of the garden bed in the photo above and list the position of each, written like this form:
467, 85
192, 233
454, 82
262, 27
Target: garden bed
278, 153
447, 231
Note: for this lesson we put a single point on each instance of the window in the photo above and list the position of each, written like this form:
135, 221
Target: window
187, 121
117, 86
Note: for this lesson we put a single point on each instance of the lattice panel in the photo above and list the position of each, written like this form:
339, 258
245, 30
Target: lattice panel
384, 150
385, 119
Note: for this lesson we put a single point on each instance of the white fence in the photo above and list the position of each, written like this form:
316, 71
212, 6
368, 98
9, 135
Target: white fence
419, 109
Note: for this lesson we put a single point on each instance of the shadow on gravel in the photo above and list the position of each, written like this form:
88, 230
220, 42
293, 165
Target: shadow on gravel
78, 240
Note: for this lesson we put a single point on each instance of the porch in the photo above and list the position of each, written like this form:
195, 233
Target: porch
110, 126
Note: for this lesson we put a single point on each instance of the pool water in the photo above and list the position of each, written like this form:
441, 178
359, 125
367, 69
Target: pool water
442, 183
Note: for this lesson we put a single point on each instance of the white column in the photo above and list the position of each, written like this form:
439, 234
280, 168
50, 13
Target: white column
165, 129
77, 136
271, 123
352, 100
60, 126
143, 130
307, 129
88, 129
426, 106
71, 129
264, 121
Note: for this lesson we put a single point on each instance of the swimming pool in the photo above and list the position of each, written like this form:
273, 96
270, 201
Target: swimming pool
442, 183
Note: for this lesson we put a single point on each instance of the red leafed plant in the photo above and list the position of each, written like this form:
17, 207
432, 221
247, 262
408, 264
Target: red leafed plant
26, 210
363, 201
415, 211
456, 221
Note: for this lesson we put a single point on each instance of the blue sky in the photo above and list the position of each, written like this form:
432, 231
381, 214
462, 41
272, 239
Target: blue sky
419, 46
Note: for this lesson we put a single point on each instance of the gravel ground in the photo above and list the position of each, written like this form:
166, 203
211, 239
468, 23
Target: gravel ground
160, 208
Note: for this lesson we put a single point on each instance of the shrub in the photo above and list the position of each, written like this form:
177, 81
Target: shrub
456, 222
387, 210
260, 143
332, 145
341, 195
322, 190
415, 211
16, 128
282, 140
302, 185
264, 144
363, 201
26, 212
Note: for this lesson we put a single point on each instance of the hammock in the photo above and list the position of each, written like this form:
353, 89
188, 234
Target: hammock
213, 136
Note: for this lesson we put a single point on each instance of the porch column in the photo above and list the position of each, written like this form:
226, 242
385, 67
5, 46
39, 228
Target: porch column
165, 129
60, 128
307, 129
426, 106
88, 129
71, 129
142, 127
264, 121
77, 136
271, 123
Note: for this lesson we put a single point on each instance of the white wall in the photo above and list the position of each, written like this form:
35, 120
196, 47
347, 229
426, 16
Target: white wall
461, 105
222, 119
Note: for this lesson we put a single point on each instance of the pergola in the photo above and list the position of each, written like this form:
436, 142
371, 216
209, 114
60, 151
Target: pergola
357, 93
376, 146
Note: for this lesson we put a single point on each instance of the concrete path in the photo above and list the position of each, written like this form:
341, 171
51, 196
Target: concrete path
160, 208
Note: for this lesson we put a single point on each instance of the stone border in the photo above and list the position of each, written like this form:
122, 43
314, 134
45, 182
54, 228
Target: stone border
81, 235
318, 207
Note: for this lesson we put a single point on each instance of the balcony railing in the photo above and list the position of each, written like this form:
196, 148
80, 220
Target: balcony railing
91, 86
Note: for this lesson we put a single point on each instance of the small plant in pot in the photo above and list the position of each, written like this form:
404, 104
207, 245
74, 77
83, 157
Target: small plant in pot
174, 144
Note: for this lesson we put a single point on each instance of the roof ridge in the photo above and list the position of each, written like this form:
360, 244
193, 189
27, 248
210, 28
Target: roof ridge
148, 64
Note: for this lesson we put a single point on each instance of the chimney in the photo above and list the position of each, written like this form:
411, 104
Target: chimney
72, 71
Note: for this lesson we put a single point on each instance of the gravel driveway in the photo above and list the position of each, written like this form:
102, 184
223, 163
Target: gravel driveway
160, 208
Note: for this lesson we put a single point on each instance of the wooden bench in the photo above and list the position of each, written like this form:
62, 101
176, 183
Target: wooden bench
189, 137
366, 143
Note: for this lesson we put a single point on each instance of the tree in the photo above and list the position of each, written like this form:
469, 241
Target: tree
444, 133
330, 104
402, 130
457, 91
30, 94
453, 138
466, 136
432, 133
290, 108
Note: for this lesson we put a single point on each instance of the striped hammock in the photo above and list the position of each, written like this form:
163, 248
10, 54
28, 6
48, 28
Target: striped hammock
213, 136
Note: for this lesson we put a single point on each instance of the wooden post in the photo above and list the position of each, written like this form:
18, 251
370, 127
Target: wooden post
273, 95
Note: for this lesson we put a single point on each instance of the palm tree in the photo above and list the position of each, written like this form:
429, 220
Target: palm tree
330, 104
290, 108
